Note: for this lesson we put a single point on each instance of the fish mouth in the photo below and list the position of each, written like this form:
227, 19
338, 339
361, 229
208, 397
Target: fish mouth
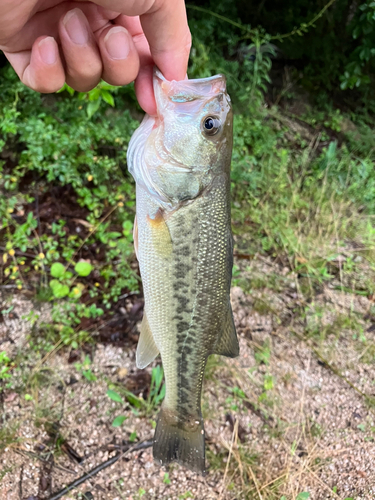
168, 93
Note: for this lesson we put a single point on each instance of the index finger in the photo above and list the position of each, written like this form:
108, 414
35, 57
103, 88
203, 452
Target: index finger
168, 35
164, 23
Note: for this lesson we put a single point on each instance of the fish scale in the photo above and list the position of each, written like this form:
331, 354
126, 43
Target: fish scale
185, 252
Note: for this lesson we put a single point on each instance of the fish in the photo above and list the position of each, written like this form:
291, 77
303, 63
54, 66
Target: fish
180, 161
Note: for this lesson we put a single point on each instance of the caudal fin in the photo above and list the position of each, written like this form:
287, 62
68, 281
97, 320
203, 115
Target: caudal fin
179, 441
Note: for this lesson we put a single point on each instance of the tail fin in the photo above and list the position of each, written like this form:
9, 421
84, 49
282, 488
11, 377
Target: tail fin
179, 441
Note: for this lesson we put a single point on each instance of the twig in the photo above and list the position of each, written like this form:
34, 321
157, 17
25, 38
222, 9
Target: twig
21, 480
93, 231
218, 16
235, 432
322, 483
251, 32
18, 252
140, 446
303, 28
255, 482
28, 454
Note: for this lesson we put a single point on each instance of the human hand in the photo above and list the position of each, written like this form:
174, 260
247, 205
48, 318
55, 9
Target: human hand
49, 42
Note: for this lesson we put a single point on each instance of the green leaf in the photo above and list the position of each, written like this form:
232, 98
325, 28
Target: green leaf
134, 400
57, 270
75, 293
58, 289
119, 421
89, 375
114, 396
93, 107
268, 382
166, 479
108, 98
303, 496
83, 268
133, 437
28, 397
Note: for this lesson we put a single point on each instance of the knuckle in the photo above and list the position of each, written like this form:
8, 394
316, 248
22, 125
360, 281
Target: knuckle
118, 80
47, 89
84, 76
81, 86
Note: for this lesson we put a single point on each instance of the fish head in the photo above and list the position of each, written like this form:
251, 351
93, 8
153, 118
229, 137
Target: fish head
188, 142
194, 120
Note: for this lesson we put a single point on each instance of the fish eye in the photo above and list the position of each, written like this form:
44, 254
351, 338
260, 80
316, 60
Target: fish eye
211, 125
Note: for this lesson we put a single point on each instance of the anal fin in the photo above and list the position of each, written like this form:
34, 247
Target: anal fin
146, 349
227, 344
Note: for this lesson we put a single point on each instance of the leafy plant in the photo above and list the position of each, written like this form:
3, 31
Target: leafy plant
118, 421
5, 367
154, 398
303, 496
85, 369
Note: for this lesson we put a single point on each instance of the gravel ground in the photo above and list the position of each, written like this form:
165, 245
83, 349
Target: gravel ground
292, 413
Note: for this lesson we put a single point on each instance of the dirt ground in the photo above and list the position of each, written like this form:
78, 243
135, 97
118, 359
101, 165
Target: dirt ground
291, 418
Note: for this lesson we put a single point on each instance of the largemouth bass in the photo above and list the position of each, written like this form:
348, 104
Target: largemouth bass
180, 160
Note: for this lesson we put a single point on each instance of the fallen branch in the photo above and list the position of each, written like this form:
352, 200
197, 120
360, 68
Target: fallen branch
140, 446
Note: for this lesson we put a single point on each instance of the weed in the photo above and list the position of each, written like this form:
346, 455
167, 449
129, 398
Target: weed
141, 492
5, 367
166, 479
139, 405
9, 435
213, 363
85, 369
262, 306
262, 353
187, 494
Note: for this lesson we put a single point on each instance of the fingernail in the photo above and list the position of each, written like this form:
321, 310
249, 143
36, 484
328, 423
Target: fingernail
117, 42
75, 25
48, 50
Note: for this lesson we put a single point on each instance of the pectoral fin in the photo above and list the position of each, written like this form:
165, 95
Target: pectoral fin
135, 236
146, 349
227, 344
161, 237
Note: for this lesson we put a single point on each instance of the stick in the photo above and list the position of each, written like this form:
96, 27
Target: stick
255, 482
140, 446
235, 431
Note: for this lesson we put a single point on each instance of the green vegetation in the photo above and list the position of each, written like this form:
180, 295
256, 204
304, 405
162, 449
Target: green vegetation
68, 205
67, 211
303, 197
142, 406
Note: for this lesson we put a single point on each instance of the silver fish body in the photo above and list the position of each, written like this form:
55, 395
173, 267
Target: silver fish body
181, 162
